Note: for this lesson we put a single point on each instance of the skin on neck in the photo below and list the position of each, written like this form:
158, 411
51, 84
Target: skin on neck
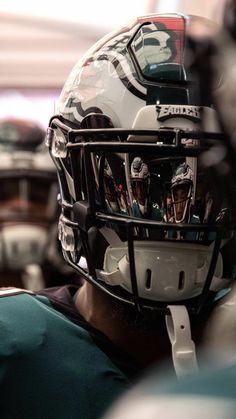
96, 308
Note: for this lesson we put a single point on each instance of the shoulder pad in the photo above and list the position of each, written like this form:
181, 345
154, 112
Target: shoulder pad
8, 291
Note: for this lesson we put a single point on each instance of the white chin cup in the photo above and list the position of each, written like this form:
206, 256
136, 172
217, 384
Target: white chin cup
164, 271
22, 245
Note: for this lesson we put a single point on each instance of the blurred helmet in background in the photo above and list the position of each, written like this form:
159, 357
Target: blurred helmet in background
28, 206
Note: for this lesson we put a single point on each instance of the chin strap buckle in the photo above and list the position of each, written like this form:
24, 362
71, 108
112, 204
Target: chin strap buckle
183, 347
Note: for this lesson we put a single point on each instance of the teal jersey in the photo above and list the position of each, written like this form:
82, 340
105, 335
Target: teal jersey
50, 366
154, 213
188, 235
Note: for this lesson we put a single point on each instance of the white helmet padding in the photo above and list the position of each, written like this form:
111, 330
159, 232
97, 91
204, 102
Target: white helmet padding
165, 272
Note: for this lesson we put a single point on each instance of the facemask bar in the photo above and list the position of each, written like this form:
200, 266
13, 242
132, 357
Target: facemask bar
86, 214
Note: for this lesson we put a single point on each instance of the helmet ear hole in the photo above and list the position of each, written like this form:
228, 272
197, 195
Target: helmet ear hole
96, 120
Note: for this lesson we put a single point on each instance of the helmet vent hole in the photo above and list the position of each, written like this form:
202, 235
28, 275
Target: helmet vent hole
148, 280
181, 280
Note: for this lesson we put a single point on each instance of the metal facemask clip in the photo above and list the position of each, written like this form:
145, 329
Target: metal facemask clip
183, 347
66, 235
59, 143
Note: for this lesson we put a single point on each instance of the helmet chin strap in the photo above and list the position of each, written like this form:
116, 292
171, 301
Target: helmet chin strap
183, 347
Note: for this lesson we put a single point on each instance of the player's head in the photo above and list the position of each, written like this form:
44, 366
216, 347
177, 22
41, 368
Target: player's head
110, 189
181, 191
140, 183
28, 198
129, 105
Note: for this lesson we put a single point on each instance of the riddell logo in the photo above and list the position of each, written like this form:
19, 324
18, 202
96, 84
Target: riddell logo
172, 111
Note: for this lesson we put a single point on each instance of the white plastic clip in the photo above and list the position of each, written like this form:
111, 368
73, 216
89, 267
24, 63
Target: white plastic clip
183, 347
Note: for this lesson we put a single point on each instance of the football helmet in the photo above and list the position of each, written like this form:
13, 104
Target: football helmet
132, 102
28, 206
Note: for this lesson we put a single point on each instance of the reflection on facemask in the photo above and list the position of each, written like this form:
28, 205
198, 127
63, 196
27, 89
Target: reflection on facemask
163, 190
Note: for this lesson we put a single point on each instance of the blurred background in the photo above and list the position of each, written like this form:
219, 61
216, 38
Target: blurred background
41, 41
